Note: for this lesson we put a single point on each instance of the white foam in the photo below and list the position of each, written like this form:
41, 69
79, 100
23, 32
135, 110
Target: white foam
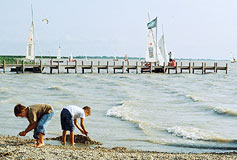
123, 111
194, 98
223, 110
8, 100
127, 111
194, 133
54, 88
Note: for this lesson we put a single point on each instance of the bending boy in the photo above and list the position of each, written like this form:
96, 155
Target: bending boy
38, 116
69, 114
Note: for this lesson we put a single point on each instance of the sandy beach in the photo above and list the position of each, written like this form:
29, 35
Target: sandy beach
19, 148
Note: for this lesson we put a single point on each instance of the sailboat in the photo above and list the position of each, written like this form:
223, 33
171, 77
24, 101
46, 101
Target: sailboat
155, 51
58, 56
59, 53
126, 57
115, 59
86, 58
70, 59
232, 59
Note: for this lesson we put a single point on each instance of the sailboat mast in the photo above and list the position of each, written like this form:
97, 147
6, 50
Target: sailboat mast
156, 39
33, 41
32, 13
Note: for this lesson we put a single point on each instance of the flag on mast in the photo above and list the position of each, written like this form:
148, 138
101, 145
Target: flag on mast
152, 24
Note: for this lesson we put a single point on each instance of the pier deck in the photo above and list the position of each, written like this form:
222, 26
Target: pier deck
123, 67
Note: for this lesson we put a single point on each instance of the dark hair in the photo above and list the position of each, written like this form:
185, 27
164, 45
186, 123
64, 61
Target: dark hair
18, 109
88, 109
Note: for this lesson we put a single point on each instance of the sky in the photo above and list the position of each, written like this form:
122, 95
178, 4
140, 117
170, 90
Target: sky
193, 28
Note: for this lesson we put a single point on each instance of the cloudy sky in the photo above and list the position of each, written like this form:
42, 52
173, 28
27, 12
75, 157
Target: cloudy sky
193, 28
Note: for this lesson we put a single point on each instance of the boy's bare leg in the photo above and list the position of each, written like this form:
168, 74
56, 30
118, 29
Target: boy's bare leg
37, 142
64, 137
41, 140
72, 138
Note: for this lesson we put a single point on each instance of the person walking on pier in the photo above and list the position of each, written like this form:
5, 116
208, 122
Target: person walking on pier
70, 114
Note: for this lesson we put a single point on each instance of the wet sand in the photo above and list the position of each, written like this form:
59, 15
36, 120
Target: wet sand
20, 148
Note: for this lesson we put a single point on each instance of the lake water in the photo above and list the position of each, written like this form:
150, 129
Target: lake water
157, 112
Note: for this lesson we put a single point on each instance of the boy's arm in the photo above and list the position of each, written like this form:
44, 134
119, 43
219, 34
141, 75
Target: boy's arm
82, 130
83, 127
28, 129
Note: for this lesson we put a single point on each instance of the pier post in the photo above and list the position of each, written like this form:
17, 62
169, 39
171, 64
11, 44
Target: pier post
82, 63
226, 68
41, 68
193, 67
205, 64
181, 69
136, 67
215, 67
98, 66
91, 66
114, 66
67, 66
4, 66
151, 68
34, 61
176, 68
189, 67
58, 67
51, 67
107, 67
75, 66
202, 68
164, 67
123, 67
128, 66
23, 66
17, 67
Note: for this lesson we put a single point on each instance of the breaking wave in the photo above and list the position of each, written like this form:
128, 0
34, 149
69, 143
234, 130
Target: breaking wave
226, 111
126, 111
194, 98
197, 134
54, 88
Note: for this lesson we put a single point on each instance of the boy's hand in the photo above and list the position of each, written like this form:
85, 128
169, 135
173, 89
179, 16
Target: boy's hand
86, 133
23, 133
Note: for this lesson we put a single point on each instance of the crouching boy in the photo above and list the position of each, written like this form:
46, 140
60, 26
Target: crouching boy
38, 116
70, 114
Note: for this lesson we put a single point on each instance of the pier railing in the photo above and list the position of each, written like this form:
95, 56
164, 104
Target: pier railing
123, 67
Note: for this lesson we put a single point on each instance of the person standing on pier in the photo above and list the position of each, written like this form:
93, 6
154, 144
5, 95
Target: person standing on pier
38, 116
70, 114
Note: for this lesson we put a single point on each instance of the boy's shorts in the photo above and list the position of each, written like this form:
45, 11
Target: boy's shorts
66, 120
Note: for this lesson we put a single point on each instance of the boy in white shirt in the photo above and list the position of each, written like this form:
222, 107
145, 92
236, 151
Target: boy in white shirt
68, 115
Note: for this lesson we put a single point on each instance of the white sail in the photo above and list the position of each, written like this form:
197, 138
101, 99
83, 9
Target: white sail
59, 53
70, 58
30, 50
162, 47
151, 54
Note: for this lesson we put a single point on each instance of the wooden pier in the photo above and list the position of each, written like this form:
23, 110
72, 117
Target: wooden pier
123, 67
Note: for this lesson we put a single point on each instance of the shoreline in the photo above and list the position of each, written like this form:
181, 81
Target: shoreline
12, 147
